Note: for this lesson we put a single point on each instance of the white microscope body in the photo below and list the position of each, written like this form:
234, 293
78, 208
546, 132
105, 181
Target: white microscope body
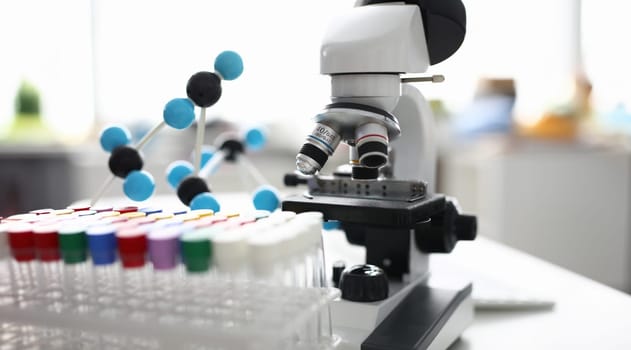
397, 216
365, 50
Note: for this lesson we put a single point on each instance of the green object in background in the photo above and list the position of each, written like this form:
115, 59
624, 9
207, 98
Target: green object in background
27, 101
27, 125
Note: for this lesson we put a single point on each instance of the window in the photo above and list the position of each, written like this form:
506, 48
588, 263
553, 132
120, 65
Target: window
48, 43
607, 51
145, 50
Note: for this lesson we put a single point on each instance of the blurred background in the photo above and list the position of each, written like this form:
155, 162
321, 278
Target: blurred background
534, 126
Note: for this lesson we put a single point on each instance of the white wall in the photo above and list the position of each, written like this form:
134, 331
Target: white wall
566, 203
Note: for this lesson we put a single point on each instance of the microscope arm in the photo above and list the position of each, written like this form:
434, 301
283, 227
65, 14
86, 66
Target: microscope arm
414, 151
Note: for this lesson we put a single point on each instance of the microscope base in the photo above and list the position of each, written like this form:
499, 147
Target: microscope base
424, 317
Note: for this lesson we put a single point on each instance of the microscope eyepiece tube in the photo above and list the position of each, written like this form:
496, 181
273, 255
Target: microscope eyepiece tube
317, 149
372, 145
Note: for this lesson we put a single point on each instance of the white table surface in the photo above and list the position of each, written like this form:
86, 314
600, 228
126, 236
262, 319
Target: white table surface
586, 315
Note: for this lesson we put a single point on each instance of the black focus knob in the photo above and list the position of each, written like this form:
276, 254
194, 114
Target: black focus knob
441, 232
364, 283
191, 187
124, 160
204, 88
466, 227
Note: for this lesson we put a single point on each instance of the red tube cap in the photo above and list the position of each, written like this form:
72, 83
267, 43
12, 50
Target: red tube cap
21, 242
46, 241
132, 247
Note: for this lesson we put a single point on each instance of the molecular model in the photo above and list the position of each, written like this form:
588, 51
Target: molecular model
203, 90
229, 147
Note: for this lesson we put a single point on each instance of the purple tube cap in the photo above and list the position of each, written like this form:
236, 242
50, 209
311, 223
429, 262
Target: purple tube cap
164, 248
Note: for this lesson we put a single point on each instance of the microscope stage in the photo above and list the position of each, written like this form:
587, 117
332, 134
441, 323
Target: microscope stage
372, 212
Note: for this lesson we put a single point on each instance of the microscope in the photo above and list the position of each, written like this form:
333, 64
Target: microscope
384, 199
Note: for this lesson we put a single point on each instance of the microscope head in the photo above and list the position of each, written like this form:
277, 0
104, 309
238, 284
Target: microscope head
375, 39
390, 36
364, 50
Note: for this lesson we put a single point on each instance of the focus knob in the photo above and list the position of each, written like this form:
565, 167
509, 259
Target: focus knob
364, 283
440, 233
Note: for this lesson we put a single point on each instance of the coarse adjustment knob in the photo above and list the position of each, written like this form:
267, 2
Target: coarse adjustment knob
364, 283
441, 232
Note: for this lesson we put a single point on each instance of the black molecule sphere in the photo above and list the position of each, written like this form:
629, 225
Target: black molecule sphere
233, 148
191, 187
204, 88
123, 160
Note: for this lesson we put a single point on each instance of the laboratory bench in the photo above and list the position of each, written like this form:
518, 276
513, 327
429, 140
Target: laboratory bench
547, 307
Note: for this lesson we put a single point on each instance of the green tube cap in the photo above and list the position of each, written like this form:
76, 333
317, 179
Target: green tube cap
196, 251
73, 245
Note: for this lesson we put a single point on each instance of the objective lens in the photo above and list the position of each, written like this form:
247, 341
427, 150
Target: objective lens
372, 145
320, 144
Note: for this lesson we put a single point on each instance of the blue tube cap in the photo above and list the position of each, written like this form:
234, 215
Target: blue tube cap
102, 244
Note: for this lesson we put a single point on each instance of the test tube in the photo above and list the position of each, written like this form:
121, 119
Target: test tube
264, 249
126, 209
281, 216
321, 327
202, 213
73, 248
230, 250
160, 216
296, 264
46, 241
315, 256
196, 251
150, 210
21, 218
41, 211
23, 265
292, 259
143, 221
105, 276
164, 247
132, 249
7, 287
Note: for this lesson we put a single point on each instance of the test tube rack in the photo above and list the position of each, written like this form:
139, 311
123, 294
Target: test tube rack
121, 278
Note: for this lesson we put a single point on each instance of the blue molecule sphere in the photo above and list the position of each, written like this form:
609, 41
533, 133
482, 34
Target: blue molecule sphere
205, 201
179, 113
255, 139
266, 198
113, 137
177, 171
229, 64
207, 153
139, 185
331, 225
